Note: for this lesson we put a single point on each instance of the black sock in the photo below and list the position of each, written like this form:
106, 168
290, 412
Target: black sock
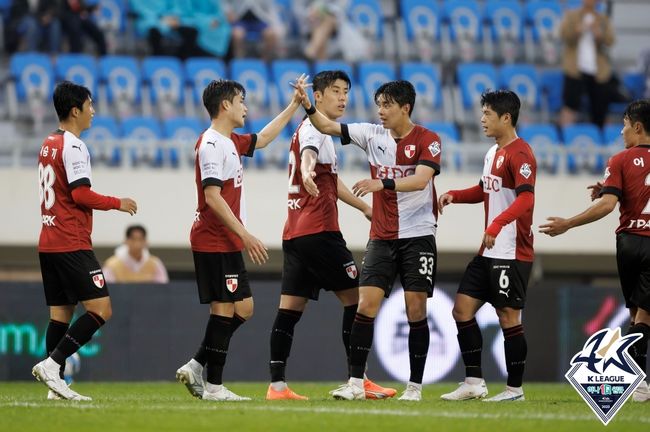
470, 341
77, 336
281, 339
217, 339
516, 350
56, 330
346, 328
639, 350
361, 335
201, 355
418, 348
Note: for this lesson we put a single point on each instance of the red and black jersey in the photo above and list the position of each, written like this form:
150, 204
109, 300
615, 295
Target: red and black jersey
218, 163
628, 177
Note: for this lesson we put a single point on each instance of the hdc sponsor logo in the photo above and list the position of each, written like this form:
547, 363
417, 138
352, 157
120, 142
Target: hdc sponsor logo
491, 183
386, 172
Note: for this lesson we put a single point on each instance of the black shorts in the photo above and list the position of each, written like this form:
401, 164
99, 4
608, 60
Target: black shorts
317, 261
500, 282
221, 277
71, 277
633, 260
414, 259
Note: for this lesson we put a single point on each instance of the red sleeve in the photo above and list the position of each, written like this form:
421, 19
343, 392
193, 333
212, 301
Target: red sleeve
471, 195
430, 150
519, 206
523, 169
245, 143
85, 197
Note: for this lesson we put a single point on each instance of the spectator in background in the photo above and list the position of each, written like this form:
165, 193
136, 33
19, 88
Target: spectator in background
185, 28
77, 21
132, 261
254, 20
32, 24
586, 35
320, 21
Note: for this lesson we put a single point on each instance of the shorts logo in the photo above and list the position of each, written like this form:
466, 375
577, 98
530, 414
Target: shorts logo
409, 151
604, 374
98, 280
525, 170
434, 148
351, 270
500, 162
231, 284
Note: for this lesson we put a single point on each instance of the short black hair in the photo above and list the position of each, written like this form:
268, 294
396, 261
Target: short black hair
218, 91
132, 228
68, 95
401, 92
639, 111
324, 79
502, 102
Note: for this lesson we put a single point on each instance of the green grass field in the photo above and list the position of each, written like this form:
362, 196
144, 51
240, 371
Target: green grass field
168, 407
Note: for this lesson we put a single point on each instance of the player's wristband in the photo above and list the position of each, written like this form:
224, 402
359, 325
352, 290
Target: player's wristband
311, 110
388, 184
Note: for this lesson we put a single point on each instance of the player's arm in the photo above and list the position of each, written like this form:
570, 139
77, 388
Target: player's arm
275, 126
214, 200
416, 182
524, 201
350, 199
470, 195
83, 196
318, 119
599, 210
308, 159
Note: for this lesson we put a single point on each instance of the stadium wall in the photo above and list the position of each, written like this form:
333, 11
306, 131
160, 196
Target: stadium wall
167, 200
156, 328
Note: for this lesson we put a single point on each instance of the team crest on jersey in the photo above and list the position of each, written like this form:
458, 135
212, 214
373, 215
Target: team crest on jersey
525, 170
500, 162
434, 148
409, 151
98, 280
604, 374
232, 284
351, 270
607, 174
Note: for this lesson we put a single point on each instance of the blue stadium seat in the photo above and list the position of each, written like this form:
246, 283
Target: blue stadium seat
450, 136
165, 79
552, 83
183, 133
522, 79
103, 140
613, 137
367, 16
371, 76
33, 75
474, 79
545, 141
421, 17
635, 83
584, 143
254, 76
111, 15
79, 68
143, 136
275, 152
506, 18
464, 18
122, 78
285, 71
426, 80
200, 71
544, 17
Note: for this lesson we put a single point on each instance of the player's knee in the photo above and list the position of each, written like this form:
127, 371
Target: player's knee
105, 312
368, 307
416, 312
507, 320
460, 314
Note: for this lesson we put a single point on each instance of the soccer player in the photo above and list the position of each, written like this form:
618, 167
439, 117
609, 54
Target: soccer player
70, 271
499, 273
626, 182
315, 254
219, 235
404, 158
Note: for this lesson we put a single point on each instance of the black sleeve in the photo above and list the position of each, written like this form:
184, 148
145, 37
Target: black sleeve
251, 149
435, 166
345, 134
211, 181
309, 148
524, 188
612, 191
84, 181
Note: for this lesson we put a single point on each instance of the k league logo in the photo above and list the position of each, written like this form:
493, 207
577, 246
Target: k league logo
604, 374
